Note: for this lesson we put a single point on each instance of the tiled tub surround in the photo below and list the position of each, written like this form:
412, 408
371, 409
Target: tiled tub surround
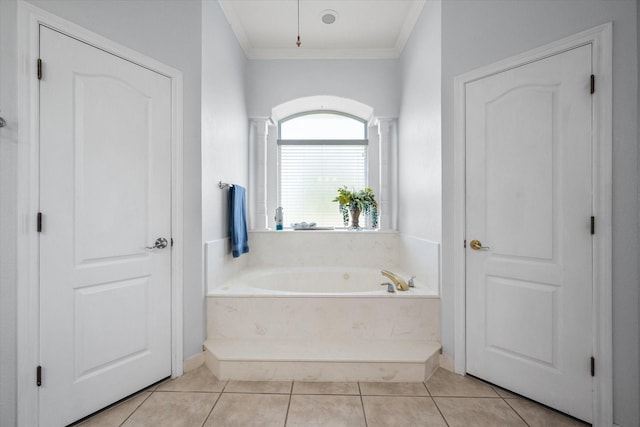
318, 312
322, 338
364, 249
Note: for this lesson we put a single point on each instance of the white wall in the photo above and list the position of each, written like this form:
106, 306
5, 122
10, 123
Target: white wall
225, 138
169, 31
420, 162
476, 33
8, 219
225, 127
371, 82
638, 161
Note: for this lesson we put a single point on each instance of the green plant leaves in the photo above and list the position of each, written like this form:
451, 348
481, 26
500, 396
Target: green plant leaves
350, 200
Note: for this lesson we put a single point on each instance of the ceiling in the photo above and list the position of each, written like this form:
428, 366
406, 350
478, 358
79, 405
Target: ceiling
267, 29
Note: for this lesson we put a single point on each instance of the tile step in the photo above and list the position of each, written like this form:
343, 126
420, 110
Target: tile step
293, 351
257, 360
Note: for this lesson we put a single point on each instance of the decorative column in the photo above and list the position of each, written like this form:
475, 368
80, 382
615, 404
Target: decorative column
388, 197
258, 131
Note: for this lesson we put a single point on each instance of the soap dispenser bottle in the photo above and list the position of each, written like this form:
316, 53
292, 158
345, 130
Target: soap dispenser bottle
279, 218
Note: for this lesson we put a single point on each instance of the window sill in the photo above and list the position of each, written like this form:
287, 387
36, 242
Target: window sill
335, 230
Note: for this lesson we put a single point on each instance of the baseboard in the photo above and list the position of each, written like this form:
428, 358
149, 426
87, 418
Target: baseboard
446, 362
193, 362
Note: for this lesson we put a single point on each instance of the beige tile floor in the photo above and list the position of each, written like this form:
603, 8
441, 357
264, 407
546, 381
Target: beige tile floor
199, 399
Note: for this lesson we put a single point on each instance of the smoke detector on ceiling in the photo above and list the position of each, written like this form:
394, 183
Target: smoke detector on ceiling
329, 16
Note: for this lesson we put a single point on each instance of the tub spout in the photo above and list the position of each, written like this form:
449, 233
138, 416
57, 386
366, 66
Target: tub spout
401, 285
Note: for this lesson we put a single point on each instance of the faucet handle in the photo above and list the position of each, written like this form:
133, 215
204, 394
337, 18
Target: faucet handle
411, 283
389, 286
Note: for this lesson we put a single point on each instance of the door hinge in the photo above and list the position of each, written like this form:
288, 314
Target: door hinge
593, 84
593, 225
593, 366
39, 222
39, 376
39, 72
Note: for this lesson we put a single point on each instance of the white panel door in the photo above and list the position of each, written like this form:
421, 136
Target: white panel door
528, 201
105, 194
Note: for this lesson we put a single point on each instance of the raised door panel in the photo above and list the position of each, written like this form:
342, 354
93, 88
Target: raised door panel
520, 145
112, 127
528, 199
105, 193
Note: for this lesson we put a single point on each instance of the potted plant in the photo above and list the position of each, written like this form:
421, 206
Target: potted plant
355, 202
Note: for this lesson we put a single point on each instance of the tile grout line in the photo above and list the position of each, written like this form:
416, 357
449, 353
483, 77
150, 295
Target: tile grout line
216, 402
254, 392
495, 390
286, 416
470, 397
440, 411
136, 408
430, 396
156, 390
426, 388
212, 408
364, 413
189, 391
435, 403
513, 409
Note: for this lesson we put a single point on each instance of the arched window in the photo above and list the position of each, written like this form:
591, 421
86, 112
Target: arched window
319, 152
308, 148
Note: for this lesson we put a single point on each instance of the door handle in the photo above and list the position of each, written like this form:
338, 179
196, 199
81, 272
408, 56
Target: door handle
476, 245
160, 243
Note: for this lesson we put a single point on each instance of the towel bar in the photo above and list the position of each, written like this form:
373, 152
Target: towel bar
223, 185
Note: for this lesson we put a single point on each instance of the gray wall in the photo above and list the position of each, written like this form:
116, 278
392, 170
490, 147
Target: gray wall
8, 218
419, 135
638, 161
477, 33
169, 31
474, 33
371, 82
225, 139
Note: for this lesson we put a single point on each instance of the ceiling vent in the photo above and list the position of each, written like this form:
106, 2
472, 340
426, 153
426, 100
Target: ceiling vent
329, 16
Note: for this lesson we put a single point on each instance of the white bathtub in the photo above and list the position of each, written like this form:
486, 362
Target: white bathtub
321, 324
318, 281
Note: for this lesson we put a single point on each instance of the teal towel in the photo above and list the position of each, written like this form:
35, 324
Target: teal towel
238, 221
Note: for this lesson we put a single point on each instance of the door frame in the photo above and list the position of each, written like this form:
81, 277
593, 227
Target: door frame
29, 20
600, 38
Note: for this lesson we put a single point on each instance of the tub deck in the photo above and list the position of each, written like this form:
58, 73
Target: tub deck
317, 281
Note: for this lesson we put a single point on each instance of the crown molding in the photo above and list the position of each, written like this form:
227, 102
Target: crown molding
251, 52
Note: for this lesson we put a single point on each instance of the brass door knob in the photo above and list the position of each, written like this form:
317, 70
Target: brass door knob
476, 245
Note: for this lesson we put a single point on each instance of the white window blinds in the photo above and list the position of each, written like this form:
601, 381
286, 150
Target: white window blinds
310, 176
319, 153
